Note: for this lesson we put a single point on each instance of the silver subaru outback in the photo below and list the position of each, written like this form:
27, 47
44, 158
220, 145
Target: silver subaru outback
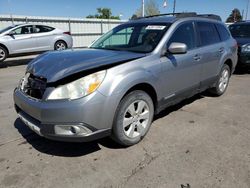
116, 86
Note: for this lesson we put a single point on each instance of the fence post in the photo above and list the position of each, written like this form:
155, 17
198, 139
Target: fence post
101, 26
69, 26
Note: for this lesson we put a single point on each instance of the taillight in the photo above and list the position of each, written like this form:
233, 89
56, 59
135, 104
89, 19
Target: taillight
67, 33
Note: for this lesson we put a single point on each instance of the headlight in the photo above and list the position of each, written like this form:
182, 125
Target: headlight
78, 88
245, 48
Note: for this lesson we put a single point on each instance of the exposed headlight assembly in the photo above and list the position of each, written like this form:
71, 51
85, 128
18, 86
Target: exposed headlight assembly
245, 48
78, 88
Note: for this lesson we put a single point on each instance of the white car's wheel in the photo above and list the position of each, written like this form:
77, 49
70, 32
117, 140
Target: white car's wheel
60, 45
3, 54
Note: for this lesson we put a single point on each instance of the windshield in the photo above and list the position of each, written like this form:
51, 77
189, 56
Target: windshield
6, 29
142, 38
240, 31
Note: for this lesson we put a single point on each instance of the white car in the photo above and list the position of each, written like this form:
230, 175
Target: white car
29, 38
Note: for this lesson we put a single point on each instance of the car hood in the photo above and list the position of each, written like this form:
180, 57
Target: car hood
242, 41
55, 66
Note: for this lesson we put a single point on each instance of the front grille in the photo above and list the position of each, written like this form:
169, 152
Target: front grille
35, 86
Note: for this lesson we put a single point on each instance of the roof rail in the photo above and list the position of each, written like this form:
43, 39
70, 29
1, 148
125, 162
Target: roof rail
210, 16
186, 14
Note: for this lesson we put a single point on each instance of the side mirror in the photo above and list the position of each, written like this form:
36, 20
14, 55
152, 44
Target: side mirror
11, 34
177, 48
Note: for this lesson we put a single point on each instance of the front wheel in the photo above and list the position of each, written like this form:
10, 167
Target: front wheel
60, 45
222, 82
133, 118
3, 54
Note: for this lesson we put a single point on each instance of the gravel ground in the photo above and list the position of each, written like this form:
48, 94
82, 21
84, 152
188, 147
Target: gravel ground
201, 142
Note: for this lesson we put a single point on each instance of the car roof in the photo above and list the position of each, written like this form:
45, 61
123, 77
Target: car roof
171, 18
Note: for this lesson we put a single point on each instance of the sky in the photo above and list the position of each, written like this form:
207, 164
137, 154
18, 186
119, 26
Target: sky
126, 8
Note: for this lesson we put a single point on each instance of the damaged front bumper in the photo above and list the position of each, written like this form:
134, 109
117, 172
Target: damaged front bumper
71, 121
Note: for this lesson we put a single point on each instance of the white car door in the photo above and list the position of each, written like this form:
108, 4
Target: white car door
21, 40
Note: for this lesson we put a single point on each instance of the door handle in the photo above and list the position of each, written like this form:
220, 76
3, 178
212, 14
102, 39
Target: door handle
197, 57
221, 50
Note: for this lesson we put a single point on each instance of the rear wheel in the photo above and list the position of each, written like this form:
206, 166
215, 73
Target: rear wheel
222, 82
3, 54
133, 118
60, 45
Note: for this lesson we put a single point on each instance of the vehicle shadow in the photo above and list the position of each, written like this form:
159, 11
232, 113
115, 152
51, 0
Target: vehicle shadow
16, 62
180, 105
67, 149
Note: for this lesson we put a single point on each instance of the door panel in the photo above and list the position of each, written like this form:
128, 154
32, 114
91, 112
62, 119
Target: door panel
211, 49
44, 36
21, 40
181, 72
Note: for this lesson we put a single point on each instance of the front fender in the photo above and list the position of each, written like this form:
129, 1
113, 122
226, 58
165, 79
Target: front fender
121, 83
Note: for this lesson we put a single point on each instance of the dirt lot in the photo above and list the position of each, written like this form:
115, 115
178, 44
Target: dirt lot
203, 142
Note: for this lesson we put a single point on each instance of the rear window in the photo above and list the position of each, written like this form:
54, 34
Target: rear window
43, 29
208, 33
242, 31
224, 33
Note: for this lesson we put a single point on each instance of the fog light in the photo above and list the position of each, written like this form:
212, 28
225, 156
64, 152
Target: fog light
71, 130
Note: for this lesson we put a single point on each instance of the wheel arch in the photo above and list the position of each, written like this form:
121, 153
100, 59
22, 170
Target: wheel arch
5, 47
147, 88
229, 62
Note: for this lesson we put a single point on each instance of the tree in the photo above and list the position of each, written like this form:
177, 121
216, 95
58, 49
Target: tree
104, 13
235, 16
151, 8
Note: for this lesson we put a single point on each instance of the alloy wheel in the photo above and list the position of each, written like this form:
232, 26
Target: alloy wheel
2, 54
60, 46
223, 82
136, 119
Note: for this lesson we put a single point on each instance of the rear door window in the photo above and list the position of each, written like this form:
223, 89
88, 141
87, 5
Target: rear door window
208, 33
184, 34
223, 31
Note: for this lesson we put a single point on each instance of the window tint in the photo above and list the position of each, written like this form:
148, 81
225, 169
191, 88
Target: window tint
240, 30
184, 34
224, 33
208, 33
23, 30
43, 29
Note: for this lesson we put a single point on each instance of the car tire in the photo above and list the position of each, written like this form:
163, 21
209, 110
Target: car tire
133, 118
3, 54
222, 82
60, 45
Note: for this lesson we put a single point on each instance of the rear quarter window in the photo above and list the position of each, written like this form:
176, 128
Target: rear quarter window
43, 29
208, 33
223, 31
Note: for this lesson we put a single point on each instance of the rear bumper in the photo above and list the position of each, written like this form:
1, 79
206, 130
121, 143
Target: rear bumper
72, 121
